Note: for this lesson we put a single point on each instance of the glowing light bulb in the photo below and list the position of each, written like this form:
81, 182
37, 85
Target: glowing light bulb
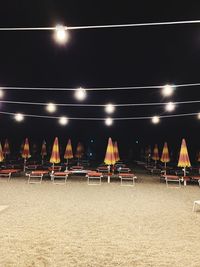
1, 93
109, 108
51, 107
109, 121
80, 94
19, 117
170, 106
155, 119
63, 120
61, 35
167, 90
198, 116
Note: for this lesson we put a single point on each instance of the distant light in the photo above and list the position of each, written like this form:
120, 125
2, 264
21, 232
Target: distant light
137, 142
91, 141
167, 90
170, 106
19, 117
155, 119
63, 120
80, 94
90, 154
109, 108
61, 35
109, 121
1, 93
51, 107
198, 116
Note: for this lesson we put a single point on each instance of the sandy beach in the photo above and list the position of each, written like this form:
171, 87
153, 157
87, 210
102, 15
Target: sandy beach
107, 225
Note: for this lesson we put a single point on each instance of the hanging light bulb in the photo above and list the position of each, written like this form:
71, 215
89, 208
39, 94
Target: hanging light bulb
63, 120
170, 106
167, 90
155, 119
109, 108
108, 121
80, 94
1, 93
61, 35
198, 116
51, 107
19, 117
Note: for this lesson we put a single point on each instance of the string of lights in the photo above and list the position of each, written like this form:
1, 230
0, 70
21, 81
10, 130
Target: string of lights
183, 85
100, 105
165, 23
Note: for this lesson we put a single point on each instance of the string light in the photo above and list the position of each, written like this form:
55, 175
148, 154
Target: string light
61, 35
109, 121
51, 107
19, 117
170, 107
1, 93
167, 90
198, 115
155, 119
63, 120
109, 108
80, 94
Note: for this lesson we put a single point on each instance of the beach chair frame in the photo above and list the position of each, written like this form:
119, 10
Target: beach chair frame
93, 178
124, 180
55, 176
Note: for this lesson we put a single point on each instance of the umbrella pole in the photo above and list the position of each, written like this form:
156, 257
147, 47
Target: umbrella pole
184, 174
24, 165
165, 168
155, 164
42, 161
108, 173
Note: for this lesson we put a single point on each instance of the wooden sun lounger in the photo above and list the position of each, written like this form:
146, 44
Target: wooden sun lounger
127, 177
94, 176
35, 175
172, 178
8, 173
59, 175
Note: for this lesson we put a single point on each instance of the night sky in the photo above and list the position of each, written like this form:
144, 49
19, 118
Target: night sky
101, 58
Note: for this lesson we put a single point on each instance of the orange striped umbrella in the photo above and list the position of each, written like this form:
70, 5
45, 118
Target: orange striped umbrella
79, 151
44, 149
26, 150
198, 157
68, 151
155, 154
184, 160
55, 155
116, 151
110, 157
165, 155
6, 148
1, 153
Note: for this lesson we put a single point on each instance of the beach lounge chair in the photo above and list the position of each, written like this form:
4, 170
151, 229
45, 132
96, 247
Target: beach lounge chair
7, 173
59, 176
35, 177
102, 169
124, 170
94, 178
195, 204
172, 178
127, 177
77, 168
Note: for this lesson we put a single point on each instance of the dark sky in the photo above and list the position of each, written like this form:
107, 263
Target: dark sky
101, 58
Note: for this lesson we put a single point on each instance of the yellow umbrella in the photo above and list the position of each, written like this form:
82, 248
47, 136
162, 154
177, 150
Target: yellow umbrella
155, 154
79, 151
110, 157
1, 153
26, 152
68, 151
55, 155
184, 160
165, 155
116, 151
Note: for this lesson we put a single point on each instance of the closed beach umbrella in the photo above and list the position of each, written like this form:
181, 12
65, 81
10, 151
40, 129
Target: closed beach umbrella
165, 155
55, 155
110, 157
1, 153
148, 154
79, 151
43, 150
155, 154
68, 151
26, 152
6, 148
198, 157
184, 160
116, 151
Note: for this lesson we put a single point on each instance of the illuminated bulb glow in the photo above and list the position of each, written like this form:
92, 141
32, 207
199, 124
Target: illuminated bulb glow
155, 119
1, 93
198, 116
63, 120
109, 121
170, 106
80, 94
167, 90
19, 117
61, 34
51, 107
109, 108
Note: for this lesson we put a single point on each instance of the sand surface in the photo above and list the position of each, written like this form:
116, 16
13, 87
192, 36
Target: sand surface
107, 225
